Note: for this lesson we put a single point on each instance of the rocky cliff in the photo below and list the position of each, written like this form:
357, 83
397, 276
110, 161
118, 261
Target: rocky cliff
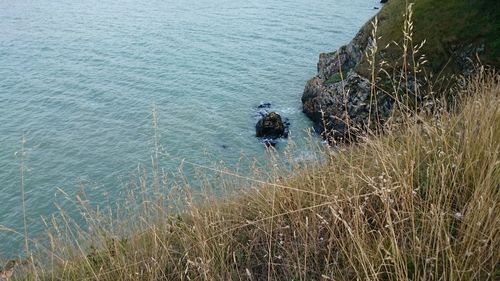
341, 99
338, 99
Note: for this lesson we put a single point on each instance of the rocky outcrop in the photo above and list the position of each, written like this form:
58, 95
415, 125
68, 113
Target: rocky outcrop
271, 127
338, 99
342, 60
343, 103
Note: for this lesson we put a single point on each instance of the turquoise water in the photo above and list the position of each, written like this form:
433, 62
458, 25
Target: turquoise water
78, 80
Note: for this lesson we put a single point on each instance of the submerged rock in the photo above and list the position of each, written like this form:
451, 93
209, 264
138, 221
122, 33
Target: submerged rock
265, 105
263, 109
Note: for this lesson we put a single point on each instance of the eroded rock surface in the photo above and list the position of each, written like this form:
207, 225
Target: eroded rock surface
338, 99
271, 127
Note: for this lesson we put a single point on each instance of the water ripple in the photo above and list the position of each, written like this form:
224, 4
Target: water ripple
78, 79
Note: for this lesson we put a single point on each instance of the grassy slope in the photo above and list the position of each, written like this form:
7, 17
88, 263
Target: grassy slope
420, 203
443, 24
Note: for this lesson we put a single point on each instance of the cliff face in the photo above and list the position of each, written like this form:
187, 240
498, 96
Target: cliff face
343, 103
338, 99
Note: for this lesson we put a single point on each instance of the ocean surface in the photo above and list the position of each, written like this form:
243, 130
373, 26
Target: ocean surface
79, 79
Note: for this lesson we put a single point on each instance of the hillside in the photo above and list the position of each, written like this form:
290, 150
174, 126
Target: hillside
453, 30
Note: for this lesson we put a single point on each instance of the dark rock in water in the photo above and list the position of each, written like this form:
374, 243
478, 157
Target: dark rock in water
383, 1
224, 146
264, 105
270, 126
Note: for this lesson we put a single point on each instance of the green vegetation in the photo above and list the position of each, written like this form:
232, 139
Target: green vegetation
446, 26
337, 77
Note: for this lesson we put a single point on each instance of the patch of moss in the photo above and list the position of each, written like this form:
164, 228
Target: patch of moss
337, 77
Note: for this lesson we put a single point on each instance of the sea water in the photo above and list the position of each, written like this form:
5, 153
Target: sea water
79, 81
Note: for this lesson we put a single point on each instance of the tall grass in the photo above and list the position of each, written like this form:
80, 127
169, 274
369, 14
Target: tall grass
419, 202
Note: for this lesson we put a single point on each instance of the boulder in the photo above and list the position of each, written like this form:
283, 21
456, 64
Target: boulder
270, 126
